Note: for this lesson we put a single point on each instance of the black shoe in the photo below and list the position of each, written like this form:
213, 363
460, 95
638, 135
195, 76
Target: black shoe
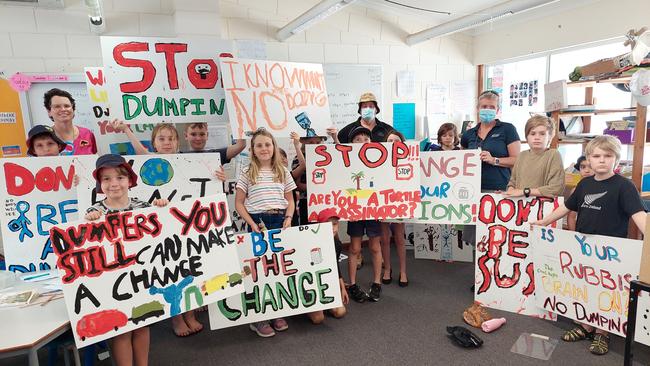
403, 284
357, 294
375, 291
387, 281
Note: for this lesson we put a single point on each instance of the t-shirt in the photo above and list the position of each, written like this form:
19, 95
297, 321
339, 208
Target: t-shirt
604, 207
265, 194
302, 179
134, 204
338, 248
543, 171
84, 144
434, 147
379, 132
222, 153
496, 142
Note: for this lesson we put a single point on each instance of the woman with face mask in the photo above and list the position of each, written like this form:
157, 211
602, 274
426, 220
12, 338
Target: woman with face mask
498, 141
368, 110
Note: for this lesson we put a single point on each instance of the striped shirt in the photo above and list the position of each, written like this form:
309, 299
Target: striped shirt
265, 194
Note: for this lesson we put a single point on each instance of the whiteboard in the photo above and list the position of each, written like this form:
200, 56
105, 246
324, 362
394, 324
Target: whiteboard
345, 84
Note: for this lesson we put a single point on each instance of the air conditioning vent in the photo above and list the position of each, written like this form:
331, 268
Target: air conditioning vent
39, 3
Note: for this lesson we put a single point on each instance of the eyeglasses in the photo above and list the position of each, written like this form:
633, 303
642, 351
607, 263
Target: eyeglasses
487, 92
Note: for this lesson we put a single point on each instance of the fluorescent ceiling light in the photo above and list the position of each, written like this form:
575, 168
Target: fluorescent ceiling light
477, 19
312, 16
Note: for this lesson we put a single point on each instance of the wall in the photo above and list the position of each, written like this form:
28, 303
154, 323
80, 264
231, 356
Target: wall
592, 22
46, 40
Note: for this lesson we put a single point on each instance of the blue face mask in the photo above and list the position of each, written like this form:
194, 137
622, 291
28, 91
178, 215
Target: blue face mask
368, 113
487, 115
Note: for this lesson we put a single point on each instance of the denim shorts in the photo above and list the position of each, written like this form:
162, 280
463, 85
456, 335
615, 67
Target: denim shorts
270, 220
372, 228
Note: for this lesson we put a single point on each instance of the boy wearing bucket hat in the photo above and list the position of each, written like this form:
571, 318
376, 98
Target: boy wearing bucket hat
42, 141
114, 178
368, 110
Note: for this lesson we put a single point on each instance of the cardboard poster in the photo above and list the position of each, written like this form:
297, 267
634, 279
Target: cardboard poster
37, 193
371, 181
110, 141
289, 272
282, 97
504, 271
131, 269
175, 177
440, 242
450, 187
587, 277
238, 223
152, 80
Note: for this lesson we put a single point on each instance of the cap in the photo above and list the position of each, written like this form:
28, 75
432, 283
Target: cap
357, 130
640, 87
327, 214
113, 161
368, 97
39, 130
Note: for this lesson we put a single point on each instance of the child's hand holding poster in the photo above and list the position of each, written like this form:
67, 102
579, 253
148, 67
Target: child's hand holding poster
130, 269
371, 181
285, 272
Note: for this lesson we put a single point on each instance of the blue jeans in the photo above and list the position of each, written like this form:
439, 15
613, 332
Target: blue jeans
271, 221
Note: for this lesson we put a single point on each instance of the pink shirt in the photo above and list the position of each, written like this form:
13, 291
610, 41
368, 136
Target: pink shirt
84, 144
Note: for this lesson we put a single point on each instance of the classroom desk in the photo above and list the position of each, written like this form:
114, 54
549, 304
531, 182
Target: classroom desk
26, 330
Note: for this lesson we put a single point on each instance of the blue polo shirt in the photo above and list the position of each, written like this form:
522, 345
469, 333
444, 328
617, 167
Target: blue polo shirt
496, 142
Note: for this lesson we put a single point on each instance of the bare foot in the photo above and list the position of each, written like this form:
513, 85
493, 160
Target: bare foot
180, 328
191, 322
403, 278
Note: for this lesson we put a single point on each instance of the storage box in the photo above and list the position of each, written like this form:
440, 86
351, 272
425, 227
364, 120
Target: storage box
607, 65
626, 136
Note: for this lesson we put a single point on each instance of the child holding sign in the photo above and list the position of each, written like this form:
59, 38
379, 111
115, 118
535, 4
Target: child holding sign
397, 229
605, 192
538, 171
114, 178
264, 199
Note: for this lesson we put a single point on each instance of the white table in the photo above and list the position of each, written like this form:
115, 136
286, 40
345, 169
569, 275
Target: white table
28, 329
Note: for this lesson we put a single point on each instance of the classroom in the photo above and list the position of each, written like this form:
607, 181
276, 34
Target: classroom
291, 182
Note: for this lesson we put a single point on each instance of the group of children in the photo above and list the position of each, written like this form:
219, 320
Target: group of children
265, 198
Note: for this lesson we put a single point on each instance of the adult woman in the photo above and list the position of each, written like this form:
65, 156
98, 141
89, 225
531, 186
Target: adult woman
61, 108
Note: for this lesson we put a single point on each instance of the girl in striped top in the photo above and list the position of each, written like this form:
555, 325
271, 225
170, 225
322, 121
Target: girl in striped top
264, 199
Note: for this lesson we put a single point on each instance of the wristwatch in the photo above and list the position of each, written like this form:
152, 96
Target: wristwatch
527, 192
496, 161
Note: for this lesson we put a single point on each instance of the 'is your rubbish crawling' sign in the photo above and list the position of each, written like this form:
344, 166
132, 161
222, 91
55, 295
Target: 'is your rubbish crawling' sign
130, 269
150, 80
372, 181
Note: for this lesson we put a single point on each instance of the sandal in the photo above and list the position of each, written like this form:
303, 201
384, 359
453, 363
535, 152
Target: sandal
576, 334
600, 345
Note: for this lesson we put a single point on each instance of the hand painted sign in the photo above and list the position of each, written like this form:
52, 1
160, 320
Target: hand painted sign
37, 193
291, 271
282, 97
130, 269
110, 141
440, 242
450, 187
151, 80
238, 223
175, 177
371, 181
504, 271
586, 277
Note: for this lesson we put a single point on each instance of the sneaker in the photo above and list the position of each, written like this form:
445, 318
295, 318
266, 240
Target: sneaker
263, 329
357, 294
279, 324
375, 291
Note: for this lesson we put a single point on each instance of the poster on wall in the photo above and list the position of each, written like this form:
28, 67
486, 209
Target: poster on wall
282, 97
587, 278
176, 80
524, 93
450, 187
37, 193
130, 269
504, 270
285, 272
176, 177
370, 181
440, 242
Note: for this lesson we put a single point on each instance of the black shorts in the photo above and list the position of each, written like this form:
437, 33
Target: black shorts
372, 228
